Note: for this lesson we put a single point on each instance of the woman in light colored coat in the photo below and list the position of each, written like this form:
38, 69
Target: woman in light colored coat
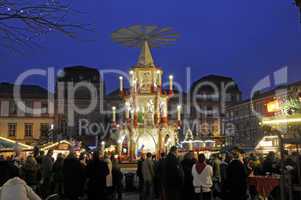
202, 178
17, 189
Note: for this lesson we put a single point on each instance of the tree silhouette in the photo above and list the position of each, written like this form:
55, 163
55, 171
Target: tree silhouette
22, 22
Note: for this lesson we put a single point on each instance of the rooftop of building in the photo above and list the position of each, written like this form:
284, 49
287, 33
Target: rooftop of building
27, 91
267, 93
79, 73
217, 80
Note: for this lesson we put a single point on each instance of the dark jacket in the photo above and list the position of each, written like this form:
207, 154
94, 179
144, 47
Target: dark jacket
97, 170
7, 171
236, 182
172, 172
74, 178
188, 190
30, 175
117, 177
58, 174
47, 164
139, 169
268, 166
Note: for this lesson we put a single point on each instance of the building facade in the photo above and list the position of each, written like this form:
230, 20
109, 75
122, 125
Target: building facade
209, 97
248, 120
30, 125
79, 103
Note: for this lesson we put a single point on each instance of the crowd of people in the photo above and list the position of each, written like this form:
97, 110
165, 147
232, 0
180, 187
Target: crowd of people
222, 176
171, 177
91, 176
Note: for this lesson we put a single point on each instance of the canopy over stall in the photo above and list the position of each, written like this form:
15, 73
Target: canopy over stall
62, 147
8, 147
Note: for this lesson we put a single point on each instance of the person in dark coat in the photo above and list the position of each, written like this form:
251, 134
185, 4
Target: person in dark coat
74, 177
7, 170
97, 171
58, 174
30, 172
269, 164
46, 170
140, 176
117, 178
173, 176
159, 176
236, 181
187, 163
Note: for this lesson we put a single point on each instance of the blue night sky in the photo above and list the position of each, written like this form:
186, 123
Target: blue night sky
244, 39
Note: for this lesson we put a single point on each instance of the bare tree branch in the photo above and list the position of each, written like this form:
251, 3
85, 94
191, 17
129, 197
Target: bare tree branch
22, 22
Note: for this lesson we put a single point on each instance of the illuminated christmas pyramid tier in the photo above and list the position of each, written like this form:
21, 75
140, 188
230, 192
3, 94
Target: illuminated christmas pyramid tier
146, 127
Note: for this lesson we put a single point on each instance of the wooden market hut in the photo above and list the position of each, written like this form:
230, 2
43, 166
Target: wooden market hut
9, 146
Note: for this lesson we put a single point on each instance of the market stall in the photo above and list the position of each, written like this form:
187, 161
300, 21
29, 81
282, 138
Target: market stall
264, 185
62, 147
283, 121
8, 147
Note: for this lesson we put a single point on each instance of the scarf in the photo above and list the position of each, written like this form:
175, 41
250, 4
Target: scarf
200, 166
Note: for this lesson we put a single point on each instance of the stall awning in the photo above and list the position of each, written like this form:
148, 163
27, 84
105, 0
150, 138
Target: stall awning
8, 144
61, 145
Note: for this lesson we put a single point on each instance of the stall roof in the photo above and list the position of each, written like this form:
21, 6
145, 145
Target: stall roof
53, 145
8, 144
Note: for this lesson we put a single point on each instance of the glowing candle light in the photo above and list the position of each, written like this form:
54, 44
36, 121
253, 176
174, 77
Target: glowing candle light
158, 77
179, 112
121, 83
134, 85
102, 147
114, 113
131, 78
170, 82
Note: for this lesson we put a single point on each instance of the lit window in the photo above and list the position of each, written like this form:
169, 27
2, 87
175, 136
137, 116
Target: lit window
12, 129
28, 130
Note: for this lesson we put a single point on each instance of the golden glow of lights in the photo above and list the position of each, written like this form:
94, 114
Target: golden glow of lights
54, 144
16, 142
273, 106
281, 121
